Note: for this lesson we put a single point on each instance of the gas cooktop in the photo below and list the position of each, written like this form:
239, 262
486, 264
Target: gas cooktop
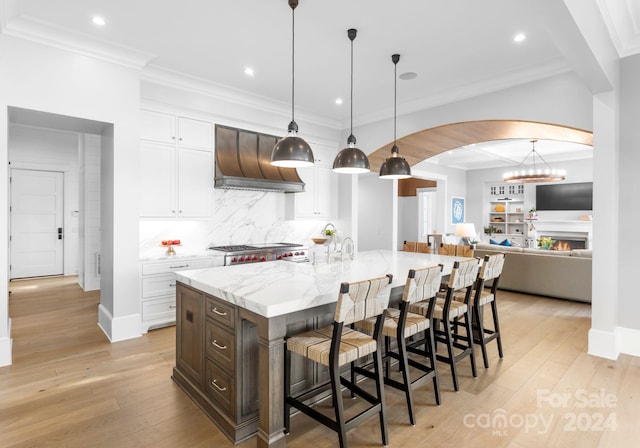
251, 253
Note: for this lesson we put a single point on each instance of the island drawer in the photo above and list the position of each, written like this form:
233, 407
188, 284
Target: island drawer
221, 312
219, 387
220, 346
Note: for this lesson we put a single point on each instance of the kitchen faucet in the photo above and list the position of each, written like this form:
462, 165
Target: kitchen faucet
351, 247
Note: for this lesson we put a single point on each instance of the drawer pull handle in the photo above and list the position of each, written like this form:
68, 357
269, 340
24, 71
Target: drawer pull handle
172, 284
221, 389
218, 346
172, 307
219, 313
179, 266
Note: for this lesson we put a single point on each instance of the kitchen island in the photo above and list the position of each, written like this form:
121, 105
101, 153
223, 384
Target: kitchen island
232, 322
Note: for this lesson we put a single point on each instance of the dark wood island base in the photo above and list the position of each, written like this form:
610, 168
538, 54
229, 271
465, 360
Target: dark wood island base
230, 362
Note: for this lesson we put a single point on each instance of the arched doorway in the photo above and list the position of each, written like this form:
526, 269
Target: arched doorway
424, 144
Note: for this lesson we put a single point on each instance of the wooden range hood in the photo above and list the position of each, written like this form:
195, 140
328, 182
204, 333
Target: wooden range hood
243, 162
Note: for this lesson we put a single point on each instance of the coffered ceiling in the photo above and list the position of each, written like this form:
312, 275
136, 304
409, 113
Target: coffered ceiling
457, 48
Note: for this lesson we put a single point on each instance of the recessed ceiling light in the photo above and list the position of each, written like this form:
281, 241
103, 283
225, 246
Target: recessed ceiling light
98, 21
519, 37
407, 76
248, 71
338, 101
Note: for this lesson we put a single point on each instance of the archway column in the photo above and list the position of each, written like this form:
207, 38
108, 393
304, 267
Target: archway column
605, 291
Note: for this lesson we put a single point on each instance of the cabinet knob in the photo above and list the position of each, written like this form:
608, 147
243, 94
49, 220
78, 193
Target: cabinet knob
173, 137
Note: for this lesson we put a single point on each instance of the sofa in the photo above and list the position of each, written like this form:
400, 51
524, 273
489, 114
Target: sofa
552, 273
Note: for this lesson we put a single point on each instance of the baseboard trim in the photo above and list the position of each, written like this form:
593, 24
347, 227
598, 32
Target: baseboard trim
603, 344
118, 328
628, 340
6, 344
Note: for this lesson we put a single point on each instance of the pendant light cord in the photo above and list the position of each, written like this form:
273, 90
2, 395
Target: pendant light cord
352, 85
395, 101
293, 62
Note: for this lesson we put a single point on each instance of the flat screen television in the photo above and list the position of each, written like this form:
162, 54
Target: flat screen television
576, 196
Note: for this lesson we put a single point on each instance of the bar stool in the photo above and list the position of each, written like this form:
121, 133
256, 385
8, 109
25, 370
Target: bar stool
422, 284
337, 345
491, 270
461, 280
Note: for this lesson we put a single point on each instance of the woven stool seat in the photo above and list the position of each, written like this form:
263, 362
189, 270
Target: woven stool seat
316, 345
415, 324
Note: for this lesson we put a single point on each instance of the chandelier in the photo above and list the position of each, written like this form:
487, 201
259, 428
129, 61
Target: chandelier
536, 172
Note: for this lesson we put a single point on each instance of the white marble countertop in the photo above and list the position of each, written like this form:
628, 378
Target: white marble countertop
279, 287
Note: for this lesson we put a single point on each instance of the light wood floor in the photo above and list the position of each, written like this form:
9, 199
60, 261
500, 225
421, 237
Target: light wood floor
69, 387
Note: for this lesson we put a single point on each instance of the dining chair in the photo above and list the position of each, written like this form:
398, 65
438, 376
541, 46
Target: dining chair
410, 246
447, 249
424, 248
463, 250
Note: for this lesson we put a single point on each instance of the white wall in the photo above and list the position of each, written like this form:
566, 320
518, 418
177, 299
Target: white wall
37, 77
375, 212
90, 211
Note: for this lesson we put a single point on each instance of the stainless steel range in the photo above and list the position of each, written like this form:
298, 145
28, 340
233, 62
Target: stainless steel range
256, 253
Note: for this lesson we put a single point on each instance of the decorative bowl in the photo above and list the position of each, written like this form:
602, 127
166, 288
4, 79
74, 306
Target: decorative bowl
320, 240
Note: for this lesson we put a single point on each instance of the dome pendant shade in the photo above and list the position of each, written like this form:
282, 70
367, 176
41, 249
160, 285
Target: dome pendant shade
395, 167
292, 151
351, 160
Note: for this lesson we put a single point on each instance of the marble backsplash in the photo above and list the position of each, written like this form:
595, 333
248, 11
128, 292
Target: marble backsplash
239, 217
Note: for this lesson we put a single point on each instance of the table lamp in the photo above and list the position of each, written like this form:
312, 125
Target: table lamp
466, 231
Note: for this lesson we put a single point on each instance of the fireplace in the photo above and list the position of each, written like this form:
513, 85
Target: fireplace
577, 234
566, 241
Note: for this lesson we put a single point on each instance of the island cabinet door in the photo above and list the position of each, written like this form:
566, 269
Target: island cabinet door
190, 333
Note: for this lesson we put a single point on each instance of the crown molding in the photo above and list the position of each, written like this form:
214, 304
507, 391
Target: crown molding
622, 18
170, 78
34, 30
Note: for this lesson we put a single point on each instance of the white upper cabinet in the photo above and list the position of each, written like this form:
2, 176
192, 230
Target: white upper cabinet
319, 200
176, 166
172, 129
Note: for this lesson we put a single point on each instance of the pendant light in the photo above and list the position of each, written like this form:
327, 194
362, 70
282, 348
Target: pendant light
292, 151
351, 160
395, 167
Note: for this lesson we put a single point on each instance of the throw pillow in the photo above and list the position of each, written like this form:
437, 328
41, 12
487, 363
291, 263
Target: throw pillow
506, 242
492, 241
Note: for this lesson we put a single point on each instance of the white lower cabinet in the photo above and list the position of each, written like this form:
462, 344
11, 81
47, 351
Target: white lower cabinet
158, 289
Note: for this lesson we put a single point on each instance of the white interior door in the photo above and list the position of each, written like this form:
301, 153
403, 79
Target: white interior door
36, 223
